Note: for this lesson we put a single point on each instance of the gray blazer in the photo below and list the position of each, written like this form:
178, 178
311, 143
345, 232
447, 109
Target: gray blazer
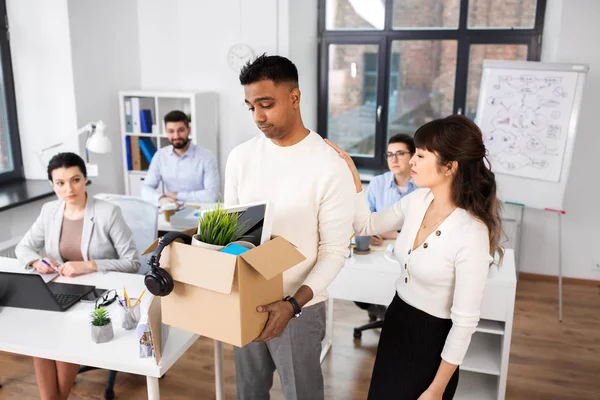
106, 238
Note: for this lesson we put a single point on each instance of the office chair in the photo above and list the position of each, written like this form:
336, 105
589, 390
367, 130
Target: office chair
376, 317
142, 219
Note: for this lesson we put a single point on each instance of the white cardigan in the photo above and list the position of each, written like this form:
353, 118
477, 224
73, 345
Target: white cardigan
446, 275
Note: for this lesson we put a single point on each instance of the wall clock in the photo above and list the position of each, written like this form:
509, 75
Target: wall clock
238, 55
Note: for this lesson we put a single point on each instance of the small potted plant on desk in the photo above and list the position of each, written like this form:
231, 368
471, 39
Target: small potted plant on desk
217, 228
102, 329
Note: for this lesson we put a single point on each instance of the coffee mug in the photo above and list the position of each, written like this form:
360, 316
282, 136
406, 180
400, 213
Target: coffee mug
169, 210
362, 243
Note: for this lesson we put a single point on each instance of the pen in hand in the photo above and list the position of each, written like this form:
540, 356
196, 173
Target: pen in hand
50, 265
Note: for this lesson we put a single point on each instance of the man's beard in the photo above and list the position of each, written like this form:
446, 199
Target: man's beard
179, 144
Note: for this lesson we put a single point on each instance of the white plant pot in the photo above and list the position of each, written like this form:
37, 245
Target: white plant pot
196, 242
244, 243
102, 334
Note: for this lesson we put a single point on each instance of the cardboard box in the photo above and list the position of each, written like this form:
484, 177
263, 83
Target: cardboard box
216, 294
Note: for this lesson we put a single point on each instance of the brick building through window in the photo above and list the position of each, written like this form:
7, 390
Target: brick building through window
389, 66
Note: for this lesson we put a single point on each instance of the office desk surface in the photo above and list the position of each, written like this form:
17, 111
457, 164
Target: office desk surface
372, 278
376, 262
66, 336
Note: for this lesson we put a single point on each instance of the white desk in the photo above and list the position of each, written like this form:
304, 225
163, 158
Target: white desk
66, 336
371, 278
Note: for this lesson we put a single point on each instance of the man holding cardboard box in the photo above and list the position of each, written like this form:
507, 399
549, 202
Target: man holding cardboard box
312, 195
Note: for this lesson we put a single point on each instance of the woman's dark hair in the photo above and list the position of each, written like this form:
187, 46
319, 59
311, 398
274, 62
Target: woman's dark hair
66, 160
457, 138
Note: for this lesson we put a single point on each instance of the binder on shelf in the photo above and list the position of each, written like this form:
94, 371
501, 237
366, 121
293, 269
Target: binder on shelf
135, 114
146, 120
147, 147
128, 117
128, 152
136, 156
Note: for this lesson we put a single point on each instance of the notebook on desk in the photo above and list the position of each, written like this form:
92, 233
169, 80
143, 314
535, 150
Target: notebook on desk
25, 290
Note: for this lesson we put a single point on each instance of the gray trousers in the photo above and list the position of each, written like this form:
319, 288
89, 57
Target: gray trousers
295, 355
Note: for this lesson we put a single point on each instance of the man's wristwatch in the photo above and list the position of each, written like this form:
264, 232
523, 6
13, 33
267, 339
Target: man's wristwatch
295, 306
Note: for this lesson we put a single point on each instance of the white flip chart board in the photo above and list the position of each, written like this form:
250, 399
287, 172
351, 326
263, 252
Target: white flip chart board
528, 114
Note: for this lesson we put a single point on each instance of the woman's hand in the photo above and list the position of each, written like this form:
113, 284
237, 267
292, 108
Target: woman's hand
75, 268
346, 157
43, 268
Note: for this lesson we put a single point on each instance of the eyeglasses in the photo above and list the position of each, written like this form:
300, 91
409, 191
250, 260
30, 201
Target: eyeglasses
397, 154
107, 298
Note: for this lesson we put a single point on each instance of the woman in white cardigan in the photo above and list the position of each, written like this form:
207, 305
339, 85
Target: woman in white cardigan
450, 230
74, 235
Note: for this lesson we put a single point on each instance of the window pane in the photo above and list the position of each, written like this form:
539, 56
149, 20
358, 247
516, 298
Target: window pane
426, 13
502, 13
353, 97
6, 161
422, 75
355, 14
477, 54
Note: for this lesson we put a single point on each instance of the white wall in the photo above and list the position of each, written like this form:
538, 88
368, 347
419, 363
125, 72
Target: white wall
105, 55
303, 51
69, 60
41, 59
184, 44
570, 36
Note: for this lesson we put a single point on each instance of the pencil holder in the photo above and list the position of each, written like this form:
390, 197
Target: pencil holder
130, 315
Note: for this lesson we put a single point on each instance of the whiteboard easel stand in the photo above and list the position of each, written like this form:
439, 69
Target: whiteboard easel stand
519, 230
560, 213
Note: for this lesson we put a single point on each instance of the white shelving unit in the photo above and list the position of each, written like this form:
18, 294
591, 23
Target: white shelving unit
474, 386
485, 367
201, 108
371, 279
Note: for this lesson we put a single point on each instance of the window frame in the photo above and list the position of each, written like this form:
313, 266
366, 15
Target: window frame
465, 37
17, 173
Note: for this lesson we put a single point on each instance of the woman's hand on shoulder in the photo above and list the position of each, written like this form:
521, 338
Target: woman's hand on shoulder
346, 157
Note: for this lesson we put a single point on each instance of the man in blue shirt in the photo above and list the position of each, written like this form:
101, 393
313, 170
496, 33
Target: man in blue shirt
189, 172
388, 188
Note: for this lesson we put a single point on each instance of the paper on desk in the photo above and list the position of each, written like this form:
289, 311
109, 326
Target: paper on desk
46, 277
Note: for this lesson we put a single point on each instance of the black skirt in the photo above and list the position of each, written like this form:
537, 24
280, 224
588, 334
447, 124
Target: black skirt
409, 354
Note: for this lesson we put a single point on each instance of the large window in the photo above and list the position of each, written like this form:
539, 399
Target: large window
389, 66
11, 165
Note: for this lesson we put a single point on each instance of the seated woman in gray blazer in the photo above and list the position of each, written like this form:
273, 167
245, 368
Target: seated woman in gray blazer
78, 235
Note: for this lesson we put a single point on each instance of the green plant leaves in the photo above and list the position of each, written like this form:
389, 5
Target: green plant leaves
220, 227
100, 317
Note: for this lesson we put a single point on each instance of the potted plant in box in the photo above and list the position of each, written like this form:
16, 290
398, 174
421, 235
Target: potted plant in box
102, 330
217, 228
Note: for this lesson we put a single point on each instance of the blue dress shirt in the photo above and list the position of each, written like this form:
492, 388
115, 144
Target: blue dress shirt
194, 176
382, 191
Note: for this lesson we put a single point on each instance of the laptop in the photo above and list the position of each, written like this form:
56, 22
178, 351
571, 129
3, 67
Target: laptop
24, 290
257, 221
